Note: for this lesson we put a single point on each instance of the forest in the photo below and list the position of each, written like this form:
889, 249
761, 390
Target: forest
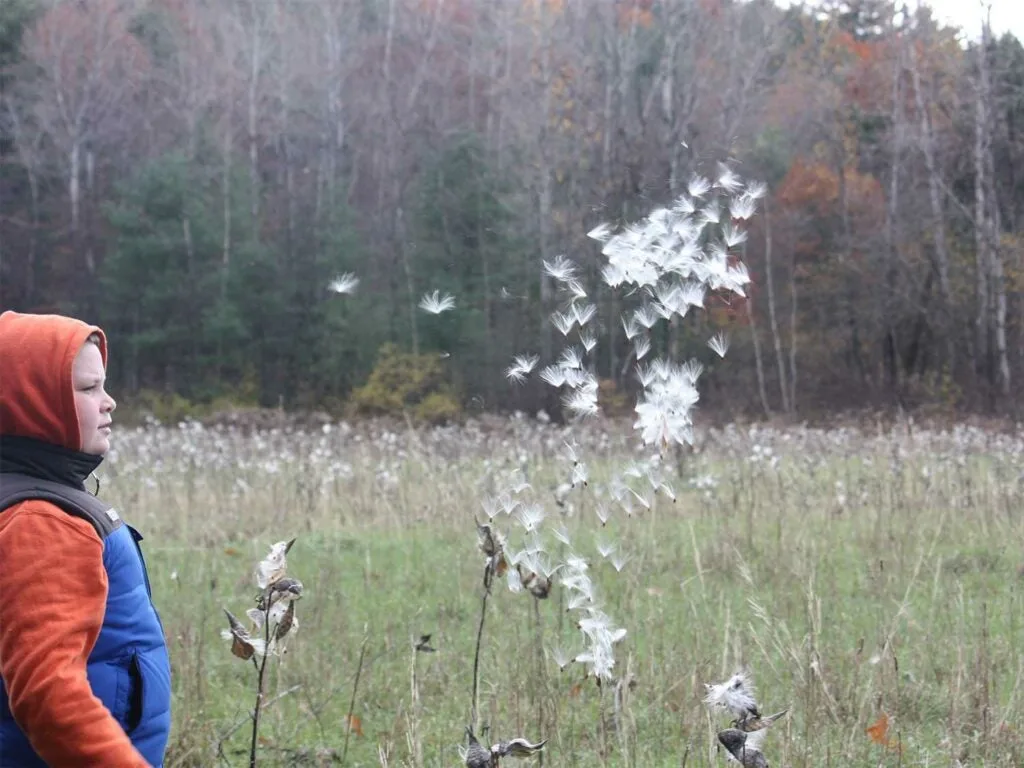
193, 175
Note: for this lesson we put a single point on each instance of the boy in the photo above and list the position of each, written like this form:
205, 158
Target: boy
84, 671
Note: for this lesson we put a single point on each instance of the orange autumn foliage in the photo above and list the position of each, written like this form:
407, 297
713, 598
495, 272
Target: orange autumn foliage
878, 732
808, 184
816, 186
88, 52
556, 6
354, 724
458, 14
635, 13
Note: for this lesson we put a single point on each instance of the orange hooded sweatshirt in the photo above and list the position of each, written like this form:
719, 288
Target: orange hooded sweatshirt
52, 580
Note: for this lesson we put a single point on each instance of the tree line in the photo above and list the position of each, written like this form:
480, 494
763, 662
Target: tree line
192, 174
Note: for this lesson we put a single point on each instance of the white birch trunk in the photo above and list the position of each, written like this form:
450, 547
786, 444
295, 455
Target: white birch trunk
762, 390
938, 216
772, 317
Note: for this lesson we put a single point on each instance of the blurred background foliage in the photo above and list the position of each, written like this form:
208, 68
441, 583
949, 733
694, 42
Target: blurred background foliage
192, 174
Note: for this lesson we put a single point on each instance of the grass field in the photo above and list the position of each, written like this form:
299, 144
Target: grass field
853, 573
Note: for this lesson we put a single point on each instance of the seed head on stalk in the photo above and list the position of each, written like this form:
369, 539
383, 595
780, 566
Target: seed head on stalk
476, 755
273, 617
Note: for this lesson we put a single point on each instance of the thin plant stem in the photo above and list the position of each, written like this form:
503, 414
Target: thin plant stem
259, 687
414, 715
479, 642
540, 688
602, 725
230, 731
355, 690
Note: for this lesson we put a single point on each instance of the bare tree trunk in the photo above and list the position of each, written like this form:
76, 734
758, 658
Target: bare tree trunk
545, 197
334, 133
485, 267
285, 144
225, 188
938, 216
668, 109
255, 65
852, 292
608, 123
999, 284
679, 96
74, 183
388, 180
891, 355
84, 71
193, 316
90, 171
792, 332
503, 102
133, 346
423, 68
492, 102
472, 66
762, 391
410, 285
226, 240
983, 244
770, 283
189, 76
289, 186
389, 38
544, 213
33, 235
190, 251
989, 214
28, 154
87, 234
607, 126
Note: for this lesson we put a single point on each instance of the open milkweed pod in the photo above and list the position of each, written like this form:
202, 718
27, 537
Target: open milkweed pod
242, 644
287, 622
517, 748
274, 565
742, 749
489, 540
737, 695
285, 589
756, 724
474, 755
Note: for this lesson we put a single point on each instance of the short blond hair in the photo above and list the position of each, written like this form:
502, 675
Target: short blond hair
97, 339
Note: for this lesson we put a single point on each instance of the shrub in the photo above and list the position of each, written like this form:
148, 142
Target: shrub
402, 382
172, 407
614, 402
165, 407
438, 408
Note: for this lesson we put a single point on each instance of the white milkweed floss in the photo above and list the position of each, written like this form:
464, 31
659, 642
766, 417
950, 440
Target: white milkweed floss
662, 269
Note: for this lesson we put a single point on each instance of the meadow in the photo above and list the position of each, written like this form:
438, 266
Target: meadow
864, 577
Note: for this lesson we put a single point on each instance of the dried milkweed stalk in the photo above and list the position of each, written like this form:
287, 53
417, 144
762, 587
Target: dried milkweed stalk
745, 735
272, 619
662, 269
476, 755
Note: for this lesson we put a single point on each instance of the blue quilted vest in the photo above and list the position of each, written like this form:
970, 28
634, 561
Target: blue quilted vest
129, 669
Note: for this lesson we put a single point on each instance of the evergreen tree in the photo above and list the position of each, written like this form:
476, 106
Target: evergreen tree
467, 244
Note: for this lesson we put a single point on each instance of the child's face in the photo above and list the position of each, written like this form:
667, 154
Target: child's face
92, 403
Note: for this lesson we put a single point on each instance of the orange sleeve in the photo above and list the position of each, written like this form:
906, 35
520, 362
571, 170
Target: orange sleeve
54, 594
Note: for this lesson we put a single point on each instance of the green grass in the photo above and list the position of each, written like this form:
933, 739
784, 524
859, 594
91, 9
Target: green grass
904, 597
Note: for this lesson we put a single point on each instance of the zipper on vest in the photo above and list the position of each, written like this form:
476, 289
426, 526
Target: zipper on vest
136, 538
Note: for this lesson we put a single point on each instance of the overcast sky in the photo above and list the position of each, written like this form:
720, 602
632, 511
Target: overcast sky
1007, 15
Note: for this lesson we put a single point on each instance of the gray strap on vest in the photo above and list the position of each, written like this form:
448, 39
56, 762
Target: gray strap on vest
15, 488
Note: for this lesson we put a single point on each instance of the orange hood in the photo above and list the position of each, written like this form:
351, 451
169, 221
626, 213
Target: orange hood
37, 396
